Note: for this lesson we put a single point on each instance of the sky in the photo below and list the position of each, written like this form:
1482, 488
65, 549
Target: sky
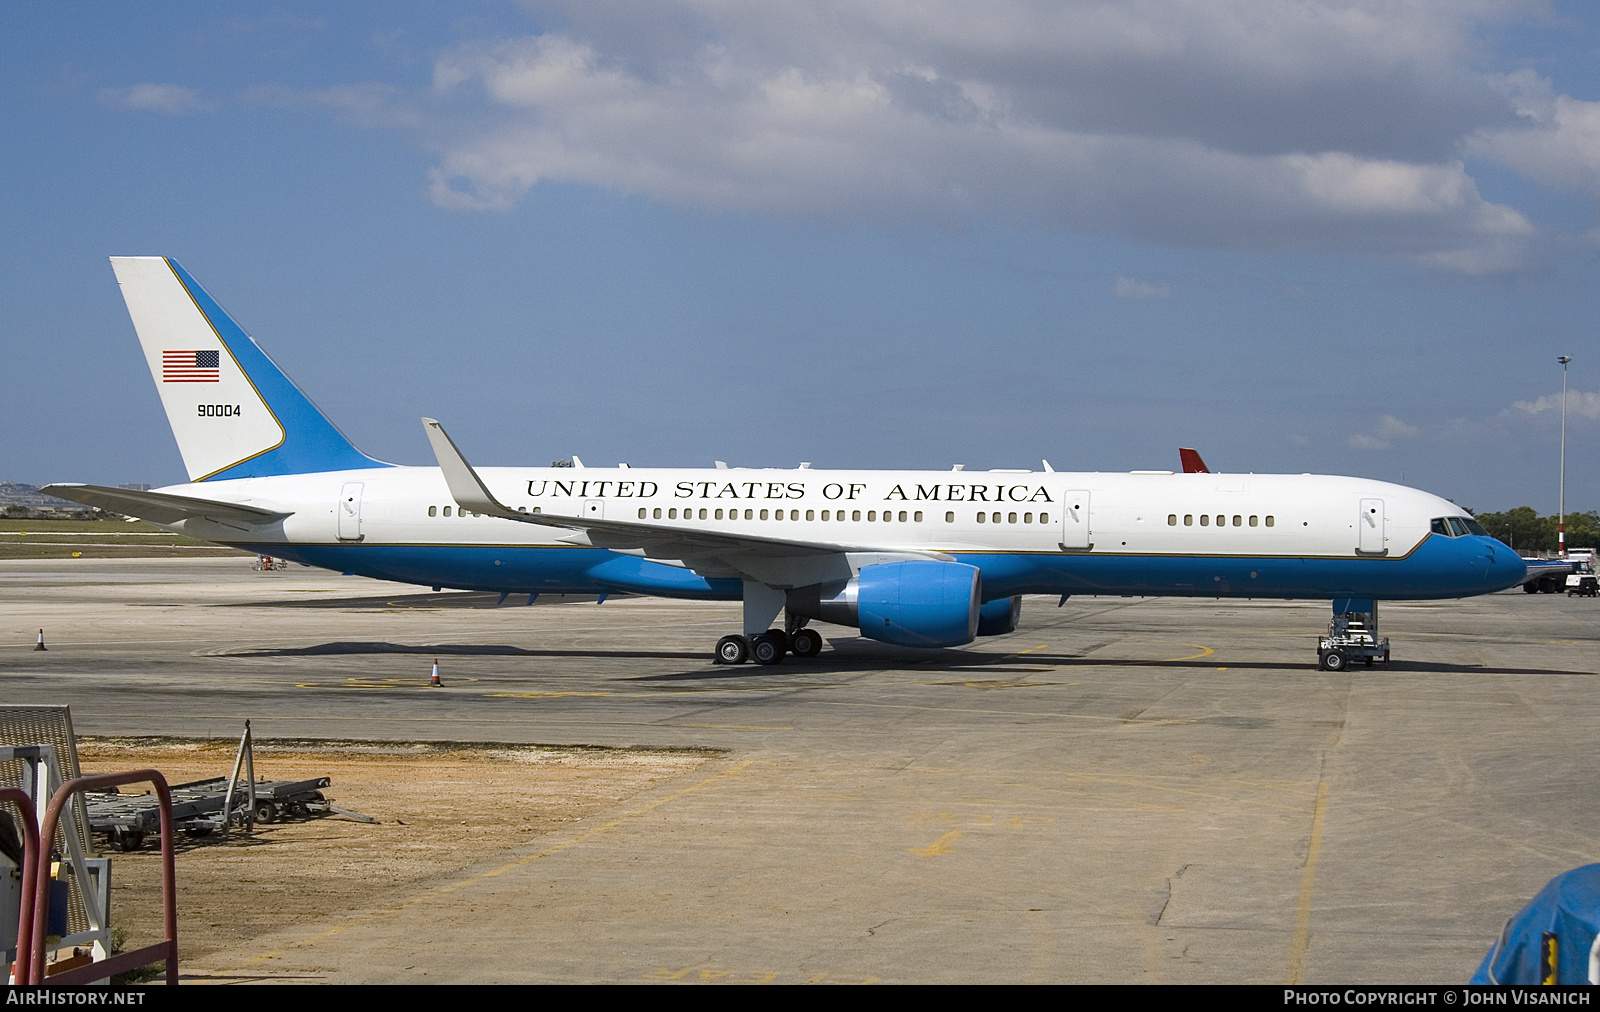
1298, 235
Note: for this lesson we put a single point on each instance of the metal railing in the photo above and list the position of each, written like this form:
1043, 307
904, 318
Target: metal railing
31, 926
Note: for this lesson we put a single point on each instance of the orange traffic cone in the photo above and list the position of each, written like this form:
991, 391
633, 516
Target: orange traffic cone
435, 679
40, 645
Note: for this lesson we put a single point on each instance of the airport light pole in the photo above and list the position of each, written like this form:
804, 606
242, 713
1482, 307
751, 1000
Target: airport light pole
1561, 516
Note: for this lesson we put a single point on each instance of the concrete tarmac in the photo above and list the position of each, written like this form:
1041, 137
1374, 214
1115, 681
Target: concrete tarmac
1125, 790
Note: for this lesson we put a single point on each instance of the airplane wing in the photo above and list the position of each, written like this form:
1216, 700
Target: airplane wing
164, 507
657, 541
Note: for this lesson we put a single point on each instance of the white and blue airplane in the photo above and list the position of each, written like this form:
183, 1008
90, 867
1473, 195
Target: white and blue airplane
915, 558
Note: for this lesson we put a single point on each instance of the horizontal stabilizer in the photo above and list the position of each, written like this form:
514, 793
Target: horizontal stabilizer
164, 507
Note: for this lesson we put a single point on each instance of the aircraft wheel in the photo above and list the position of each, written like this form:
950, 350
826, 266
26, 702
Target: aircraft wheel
766, 649
1531, 587
732, 650
1334, 660
806, 643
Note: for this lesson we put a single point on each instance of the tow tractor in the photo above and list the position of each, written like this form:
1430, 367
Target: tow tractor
1352, 635
1582, 582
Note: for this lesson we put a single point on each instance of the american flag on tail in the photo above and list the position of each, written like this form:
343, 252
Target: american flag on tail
191, 366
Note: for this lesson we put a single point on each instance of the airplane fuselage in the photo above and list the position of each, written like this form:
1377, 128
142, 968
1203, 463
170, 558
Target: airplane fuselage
1211, 535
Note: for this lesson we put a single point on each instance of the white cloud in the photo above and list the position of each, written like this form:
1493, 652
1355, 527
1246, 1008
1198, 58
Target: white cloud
1128, 288
1579, 404
1388, 431
171, 99
1558, 142
1322, 125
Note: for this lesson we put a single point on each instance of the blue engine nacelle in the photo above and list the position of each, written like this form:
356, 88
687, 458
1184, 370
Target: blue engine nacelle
996, 618
910, 604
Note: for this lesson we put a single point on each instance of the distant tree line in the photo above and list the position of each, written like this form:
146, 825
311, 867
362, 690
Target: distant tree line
1525, 530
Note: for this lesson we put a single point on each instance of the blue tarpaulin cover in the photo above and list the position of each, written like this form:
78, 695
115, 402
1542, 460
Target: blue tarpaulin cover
1568, 906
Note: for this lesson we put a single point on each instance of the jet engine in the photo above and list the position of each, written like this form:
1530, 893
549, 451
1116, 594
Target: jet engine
910, 604
996, 618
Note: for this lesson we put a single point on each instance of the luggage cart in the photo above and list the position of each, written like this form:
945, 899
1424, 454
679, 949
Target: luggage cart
125, 820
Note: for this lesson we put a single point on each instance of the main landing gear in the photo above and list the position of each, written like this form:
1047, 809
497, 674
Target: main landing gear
768, 647
761, 605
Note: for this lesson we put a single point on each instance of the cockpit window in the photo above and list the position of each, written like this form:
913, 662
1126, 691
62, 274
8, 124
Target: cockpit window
1475, 527
1440, 528
1458, 529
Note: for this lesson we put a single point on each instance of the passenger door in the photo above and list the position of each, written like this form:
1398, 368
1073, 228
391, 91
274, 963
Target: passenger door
1075, 519
350, 511
1369, 528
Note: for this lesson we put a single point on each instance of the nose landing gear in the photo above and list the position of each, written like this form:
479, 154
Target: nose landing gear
1352, 636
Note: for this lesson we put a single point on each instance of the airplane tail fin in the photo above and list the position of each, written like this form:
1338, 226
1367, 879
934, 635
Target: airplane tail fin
232, 410
1192, 464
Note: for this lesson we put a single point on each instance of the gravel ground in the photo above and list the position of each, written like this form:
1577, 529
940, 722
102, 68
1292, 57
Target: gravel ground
439, 808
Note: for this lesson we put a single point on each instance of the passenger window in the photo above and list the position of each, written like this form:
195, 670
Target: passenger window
1188, 520
983, 518
1027, 518
855, 514
902, 516
751, 514
1011, 518
1222, 521
872, 514
1255, 521
777, 515
1205, 520
1172, 519
1238, 521
433, 511
763, 514
995, 517
917, 516
812, 515
949, 518
656, 513
794, 514
1269, 521
718, 514
641, 512
447, 511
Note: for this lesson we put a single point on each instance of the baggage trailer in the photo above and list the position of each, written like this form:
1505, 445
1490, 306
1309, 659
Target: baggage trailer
197, 808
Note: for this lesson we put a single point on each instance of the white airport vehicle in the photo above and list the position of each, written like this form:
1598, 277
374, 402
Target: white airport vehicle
916, 558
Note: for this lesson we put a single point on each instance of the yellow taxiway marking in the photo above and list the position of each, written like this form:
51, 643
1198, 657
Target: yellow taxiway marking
1308, 879
939, 846
1011, 713
1205, 651
555, 848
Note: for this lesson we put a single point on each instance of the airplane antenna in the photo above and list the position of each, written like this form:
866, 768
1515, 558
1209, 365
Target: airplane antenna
1047, 467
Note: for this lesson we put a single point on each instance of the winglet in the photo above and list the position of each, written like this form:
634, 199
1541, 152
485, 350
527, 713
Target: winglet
1192, 464
466, 488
